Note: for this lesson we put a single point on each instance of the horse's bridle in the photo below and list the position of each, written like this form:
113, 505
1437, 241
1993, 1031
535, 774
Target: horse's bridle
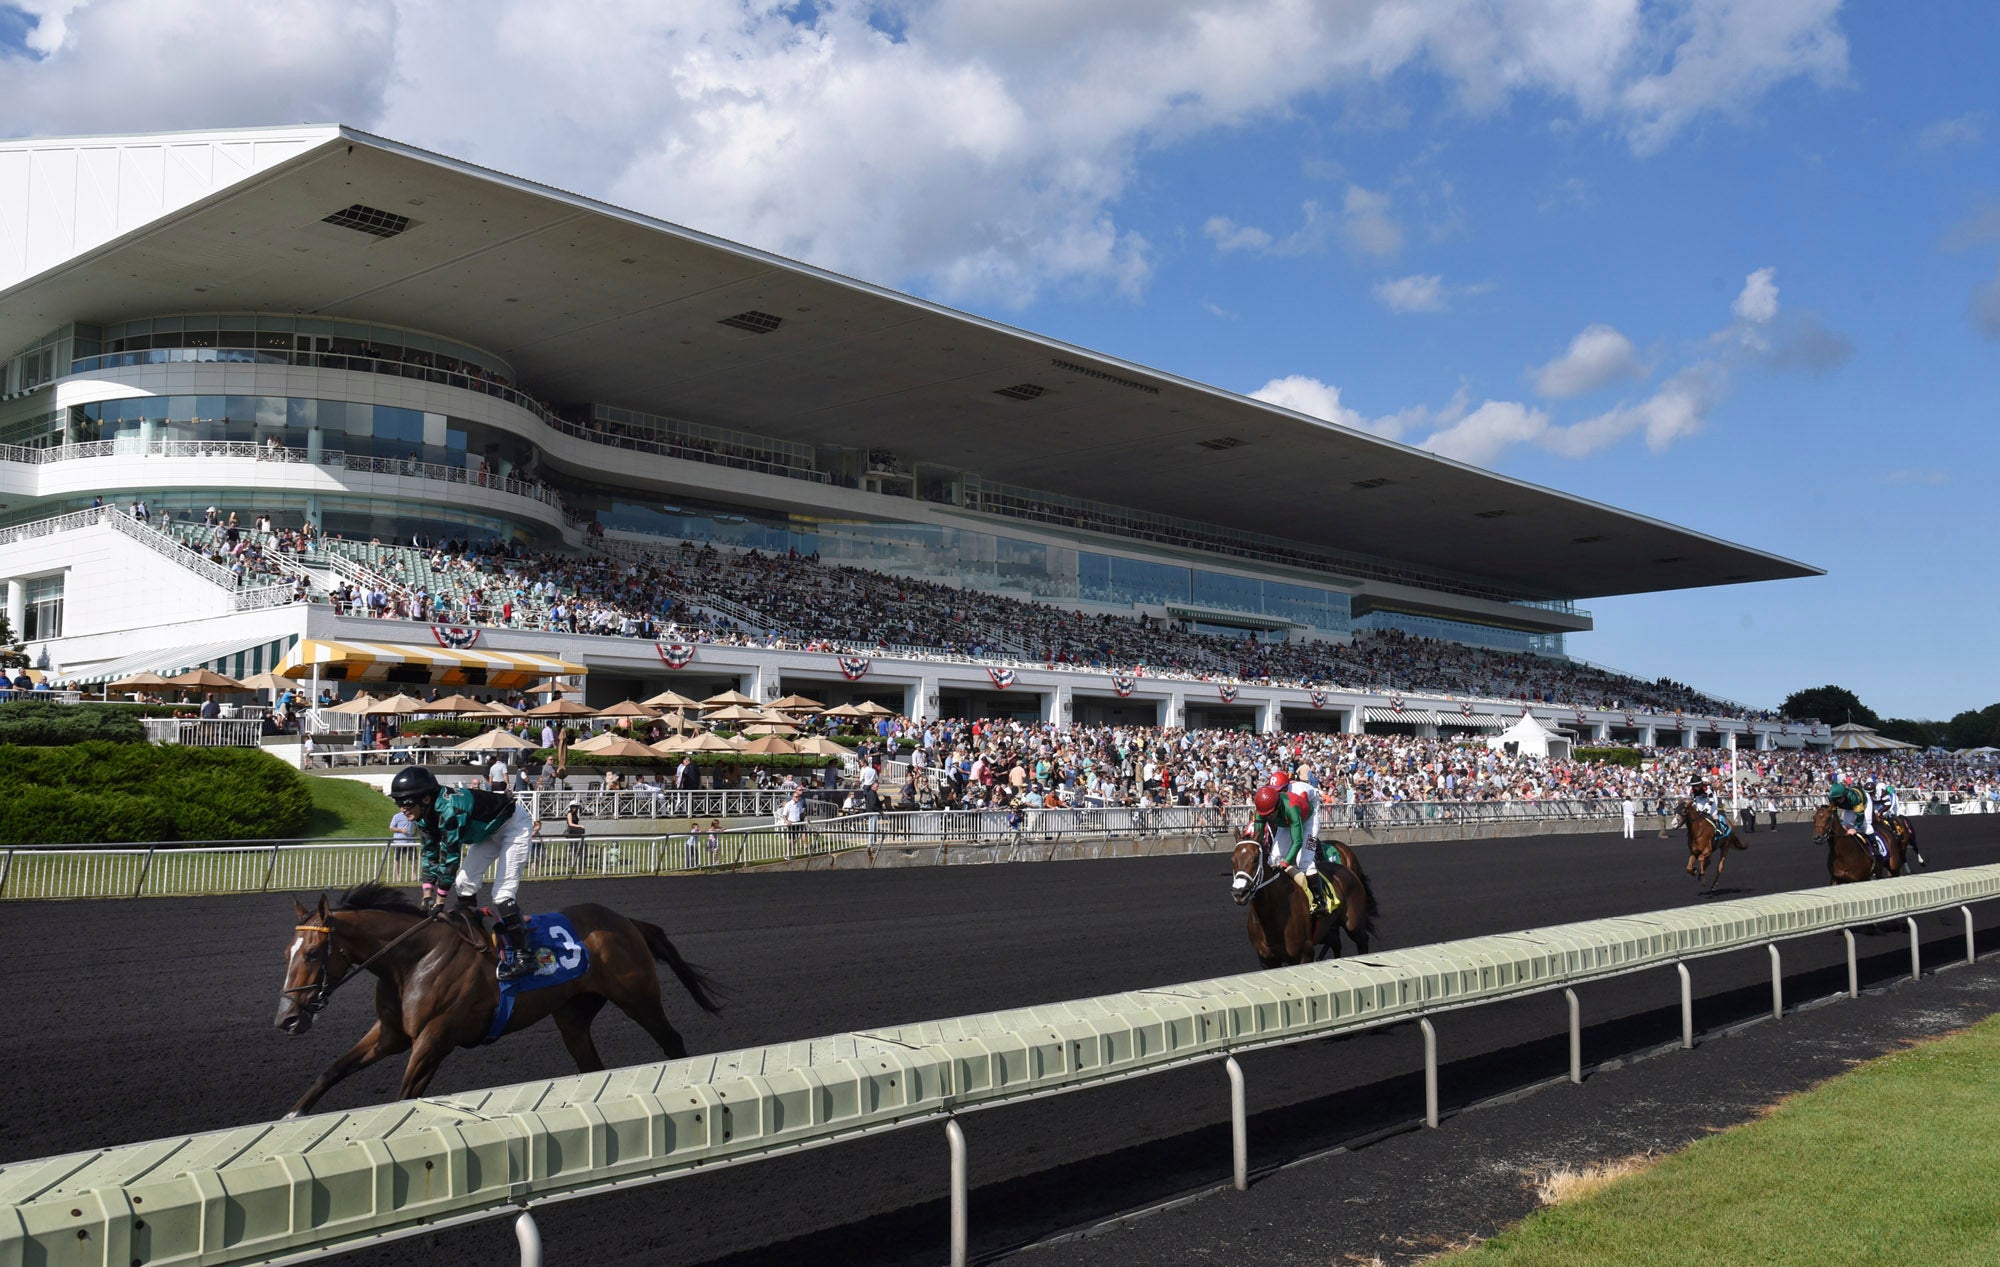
323, 988
1258, 879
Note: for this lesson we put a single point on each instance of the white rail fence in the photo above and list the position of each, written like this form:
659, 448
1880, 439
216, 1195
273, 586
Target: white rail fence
297, 1190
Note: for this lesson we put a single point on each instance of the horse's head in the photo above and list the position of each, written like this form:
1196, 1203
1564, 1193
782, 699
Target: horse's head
1683, 813
1246, 864
314, 964
1825, 820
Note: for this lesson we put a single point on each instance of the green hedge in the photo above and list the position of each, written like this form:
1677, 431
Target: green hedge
40, 723
108, 793
1629, 757
446, 726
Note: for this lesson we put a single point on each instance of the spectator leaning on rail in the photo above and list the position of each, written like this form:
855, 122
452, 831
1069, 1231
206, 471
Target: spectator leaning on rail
464, 831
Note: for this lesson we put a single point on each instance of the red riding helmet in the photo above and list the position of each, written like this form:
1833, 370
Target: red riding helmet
1266, 801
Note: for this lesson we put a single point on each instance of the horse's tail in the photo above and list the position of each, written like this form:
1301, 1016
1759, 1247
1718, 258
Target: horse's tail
698, 983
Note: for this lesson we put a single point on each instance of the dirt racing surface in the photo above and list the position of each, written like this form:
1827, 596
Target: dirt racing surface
134, 1020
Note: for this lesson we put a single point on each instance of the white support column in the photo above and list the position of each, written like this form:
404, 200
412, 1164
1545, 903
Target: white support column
1689, 734
1649, 735
924, 699
1355, 725
17, 607
760, 684
1272, 720
1176, 716
1061, 706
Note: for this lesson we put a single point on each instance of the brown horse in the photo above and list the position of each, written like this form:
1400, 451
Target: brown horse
1282, 931
1849, 859
1902, 837
435, 988
1703, 843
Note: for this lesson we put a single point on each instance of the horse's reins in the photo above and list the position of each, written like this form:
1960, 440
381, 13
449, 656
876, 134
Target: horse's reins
1260, 881
322, 991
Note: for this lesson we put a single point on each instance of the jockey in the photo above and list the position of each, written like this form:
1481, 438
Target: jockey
1285, 815
1857, 814
1702, 799
1887, 804
464, 831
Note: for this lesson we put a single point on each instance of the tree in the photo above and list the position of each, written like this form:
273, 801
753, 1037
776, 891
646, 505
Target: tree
1834, 705
1974, 728
1924, 734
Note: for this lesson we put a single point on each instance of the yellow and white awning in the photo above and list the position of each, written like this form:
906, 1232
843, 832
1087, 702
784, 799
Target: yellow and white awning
347, 661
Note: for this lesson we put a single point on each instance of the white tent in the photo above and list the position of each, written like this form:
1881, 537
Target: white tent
1854, 737
1529, 738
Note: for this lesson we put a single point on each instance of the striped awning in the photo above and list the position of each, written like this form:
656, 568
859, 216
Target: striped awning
1478, 721
231, 658
402, 662
1408, 717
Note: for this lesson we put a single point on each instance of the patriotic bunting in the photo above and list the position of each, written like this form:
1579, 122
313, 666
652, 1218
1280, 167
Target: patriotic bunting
675, 655
1228, 694
1002, 678
457, 637
1465, 710
1123, 683
1396, 701
1318, 697
854, 667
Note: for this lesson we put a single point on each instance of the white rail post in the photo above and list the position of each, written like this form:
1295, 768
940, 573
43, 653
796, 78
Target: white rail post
1916, 964
1430, 1072
1971, 956
956, 1138
145, 867
529, 1238
1575, 1037
1239, 1126
1687, 1007
1853, 966
1777, 984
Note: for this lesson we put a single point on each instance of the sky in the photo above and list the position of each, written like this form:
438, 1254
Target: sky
1734, 264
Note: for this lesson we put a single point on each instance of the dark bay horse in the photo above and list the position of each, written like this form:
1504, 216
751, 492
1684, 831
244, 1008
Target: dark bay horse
435, 988
1281, 929
1850, 859
1703, 843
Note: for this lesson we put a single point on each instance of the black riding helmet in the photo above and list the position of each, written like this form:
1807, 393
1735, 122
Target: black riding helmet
413, 785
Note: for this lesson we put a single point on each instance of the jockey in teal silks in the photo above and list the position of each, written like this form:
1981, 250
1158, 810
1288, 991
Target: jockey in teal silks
1857, 814
464, 831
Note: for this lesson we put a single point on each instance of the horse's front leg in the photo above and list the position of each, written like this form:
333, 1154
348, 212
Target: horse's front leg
381, 1040
426, 1054
1721, 861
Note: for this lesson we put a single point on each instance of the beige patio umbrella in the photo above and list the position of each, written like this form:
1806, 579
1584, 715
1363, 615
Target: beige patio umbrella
871, 709
736, 712
497, 709
770, 728
680, 722
597, 743
707, 743
397, 705
672, 745
268, 682
204, 680
561, 708
795, 704
455, 704
727, 698
671, 699
627, 708
848, 711
769, 745
494, 741
617, 746
818, 746
139, 682
359, 704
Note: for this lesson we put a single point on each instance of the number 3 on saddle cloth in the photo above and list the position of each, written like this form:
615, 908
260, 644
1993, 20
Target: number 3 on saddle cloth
559, 957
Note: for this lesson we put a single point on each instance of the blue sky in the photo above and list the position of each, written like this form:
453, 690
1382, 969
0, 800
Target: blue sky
1731, 263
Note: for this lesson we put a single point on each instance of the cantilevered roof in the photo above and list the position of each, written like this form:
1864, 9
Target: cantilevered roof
594, 303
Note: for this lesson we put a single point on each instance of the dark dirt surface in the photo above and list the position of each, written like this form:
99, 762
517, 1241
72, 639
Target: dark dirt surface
134, 1020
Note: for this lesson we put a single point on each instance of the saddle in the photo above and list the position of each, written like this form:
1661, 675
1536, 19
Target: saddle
1313, 905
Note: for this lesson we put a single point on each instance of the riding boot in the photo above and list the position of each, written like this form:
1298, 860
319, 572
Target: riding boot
1322, 893
518, 961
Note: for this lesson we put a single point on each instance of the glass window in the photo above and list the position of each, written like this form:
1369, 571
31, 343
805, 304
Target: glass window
43, 618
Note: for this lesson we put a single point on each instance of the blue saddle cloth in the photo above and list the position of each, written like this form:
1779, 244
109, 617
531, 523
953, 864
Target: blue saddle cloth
1722, 825
560, 957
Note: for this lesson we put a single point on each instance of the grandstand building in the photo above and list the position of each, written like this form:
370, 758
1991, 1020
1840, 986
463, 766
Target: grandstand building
324, 327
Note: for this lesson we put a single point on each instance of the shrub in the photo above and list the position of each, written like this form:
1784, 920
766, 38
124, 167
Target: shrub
107, 792
1628, 757
446, 726
42, 723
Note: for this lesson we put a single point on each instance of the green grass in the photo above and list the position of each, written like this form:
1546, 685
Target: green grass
1892, 1163
347, 808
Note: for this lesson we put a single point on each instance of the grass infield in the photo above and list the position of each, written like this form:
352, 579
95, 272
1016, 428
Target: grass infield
348, 808
1892, 1163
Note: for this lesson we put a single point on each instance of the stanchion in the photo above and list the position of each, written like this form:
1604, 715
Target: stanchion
1239, 1126
1430, 1072
1687, 1007
956, 1138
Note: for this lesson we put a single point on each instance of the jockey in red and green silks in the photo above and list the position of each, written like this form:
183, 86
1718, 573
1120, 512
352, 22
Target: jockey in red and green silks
1285, 814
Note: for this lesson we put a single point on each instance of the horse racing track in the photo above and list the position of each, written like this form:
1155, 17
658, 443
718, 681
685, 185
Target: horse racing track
134, 1020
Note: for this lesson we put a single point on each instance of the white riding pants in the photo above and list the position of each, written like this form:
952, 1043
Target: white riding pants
509, 848
1281, 844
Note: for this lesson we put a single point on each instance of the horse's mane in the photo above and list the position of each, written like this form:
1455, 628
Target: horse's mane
376, 897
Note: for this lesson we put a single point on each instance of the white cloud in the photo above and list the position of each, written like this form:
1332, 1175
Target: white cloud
1230, 236
1308, 395
1597, 357
1679, 409
1758, 302
1912, 476
1481, 436
1966, 129
1419, 292
1366, 224
977, 150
